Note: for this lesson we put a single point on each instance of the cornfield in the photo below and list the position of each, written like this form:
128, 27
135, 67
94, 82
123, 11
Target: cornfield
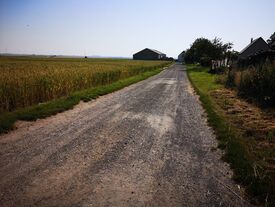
26, 81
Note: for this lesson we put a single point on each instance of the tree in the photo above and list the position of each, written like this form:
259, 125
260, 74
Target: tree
271, 40
199, 51
204, 50
221, 50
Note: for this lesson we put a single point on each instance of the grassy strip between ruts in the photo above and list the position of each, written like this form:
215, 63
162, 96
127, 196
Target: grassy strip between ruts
236, 153
59, 105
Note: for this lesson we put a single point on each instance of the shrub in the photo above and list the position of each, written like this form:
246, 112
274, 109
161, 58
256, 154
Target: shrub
233, 78
257, 84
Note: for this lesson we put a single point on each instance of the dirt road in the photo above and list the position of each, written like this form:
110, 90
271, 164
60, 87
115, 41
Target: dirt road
145, 145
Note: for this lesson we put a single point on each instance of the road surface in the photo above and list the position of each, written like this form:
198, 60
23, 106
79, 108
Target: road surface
145, 145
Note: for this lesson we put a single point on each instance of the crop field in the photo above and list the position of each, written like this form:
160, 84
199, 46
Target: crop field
26, 81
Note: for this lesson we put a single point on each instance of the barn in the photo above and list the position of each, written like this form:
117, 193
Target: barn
256, 46
149, 54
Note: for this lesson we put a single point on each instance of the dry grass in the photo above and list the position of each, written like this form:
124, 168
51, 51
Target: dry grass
254, 83
252, 116
255, 124
238, 77
26, 81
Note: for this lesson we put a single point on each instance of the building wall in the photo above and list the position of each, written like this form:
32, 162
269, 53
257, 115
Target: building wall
147, 55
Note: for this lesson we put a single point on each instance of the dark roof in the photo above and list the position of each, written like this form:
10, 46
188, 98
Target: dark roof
155, 51
256, 46
250, 45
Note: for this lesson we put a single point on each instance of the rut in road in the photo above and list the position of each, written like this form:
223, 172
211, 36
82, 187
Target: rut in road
145, 145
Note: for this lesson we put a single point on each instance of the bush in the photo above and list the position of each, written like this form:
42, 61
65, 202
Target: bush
255, 83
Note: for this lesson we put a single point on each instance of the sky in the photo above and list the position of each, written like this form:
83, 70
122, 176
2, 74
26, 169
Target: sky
121, 28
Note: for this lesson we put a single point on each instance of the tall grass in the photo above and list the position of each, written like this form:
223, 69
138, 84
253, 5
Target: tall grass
257, 83
29, 81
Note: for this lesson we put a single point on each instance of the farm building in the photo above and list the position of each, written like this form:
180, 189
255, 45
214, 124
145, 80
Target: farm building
181, 56
256, 46
149, 54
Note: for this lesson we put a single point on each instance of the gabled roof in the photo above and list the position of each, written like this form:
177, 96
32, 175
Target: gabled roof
155, 51
252, 43
256, 46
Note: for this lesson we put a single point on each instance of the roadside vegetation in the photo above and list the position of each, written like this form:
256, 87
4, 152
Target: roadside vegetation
245, 131
32, 88
239, 98
256, 84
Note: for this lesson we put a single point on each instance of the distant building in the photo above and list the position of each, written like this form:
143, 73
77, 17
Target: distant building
149, 54
181, 56
256, 47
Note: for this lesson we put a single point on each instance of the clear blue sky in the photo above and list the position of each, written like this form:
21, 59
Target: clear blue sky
123, 27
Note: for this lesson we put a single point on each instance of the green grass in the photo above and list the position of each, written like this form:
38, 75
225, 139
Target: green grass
59, 105
203, 79
236, 152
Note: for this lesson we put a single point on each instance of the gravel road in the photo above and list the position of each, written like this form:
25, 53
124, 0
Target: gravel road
145, 145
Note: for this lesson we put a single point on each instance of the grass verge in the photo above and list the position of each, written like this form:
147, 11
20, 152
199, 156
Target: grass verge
243, 163
59, 105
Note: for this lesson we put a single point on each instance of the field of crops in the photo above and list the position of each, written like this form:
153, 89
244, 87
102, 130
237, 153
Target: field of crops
26, 81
